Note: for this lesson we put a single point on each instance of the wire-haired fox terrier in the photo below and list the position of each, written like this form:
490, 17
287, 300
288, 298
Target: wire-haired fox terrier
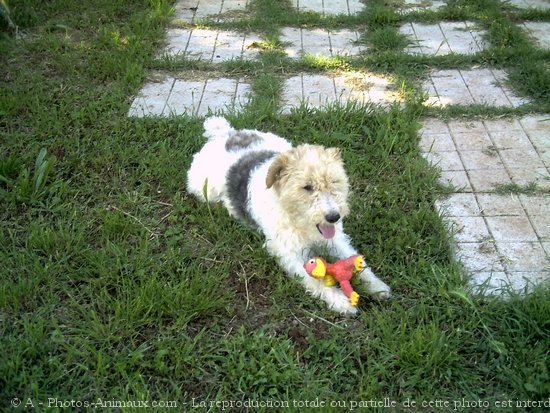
297, 196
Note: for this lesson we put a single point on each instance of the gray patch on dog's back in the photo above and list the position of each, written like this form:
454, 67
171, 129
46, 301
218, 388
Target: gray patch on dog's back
238, 177
242, 140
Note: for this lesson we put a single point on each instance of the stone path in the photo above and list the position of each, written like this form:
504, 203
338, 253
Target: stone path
212, 46
443, 38
503, 241
539, 32
320, 90
320, 42
467, 87
329, 7
193, 11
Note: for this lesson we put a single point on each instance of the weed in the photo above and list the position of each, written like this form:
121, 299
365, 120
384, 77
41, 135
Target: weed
27, 187
5, 16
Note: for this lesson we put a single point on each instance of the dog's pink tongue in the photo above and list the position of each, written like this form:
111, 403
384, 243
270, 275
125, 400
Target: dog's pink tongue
327, 230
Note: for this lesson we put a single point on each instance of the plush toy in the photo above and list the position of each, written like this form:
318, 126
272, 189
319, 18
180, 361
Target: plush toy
341, 271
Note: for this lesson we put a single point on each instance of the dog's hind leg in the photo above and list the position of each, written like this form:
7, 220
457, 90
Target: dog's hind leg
206, 176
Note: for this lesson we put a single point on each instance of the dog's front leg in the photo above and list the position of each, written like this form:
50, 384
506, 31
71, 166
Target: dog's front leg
293, 264
342, 248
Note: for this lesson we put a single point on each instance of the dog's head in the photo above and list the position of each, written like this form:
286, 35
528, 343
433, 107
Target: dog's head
312, 188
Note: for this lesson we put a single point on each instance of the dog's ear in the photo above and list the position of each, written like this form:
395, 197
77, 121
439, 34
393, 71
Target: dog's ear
276, 170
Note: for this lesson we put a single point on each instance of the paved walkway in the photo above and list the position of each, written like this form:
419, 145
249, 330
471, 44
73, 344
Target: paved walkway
503, 241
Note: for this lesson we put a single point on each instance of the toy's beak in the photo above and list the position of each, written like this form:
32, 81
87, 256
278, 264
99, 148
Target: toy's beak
319, 271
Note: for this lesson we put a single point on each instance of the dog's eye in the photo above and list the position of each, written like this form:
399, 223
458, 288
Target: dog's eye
308, 188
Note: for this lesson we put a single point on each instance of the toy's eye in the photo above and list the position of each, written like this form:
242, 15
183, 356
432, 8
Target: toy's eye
308, 188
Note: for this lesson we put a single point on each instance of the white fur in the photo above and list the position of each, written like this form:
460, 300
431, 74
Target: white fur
290, 231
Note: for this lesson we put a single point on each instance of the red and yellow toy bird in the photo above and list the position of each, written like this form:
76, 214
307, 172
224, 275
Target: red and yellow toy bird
341, 271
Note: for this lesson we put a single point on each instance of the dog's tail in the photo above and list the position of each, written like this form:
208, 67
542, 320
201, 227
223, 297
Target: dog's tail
217, 128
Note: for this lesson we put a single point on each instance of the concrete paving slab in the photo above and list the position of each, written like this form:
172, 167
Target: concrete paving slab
211, 45
467, 87
314, 90
511, 228
469, 229
151, 100
192, 11
421, 5
518, 158
541, 224
481, 160
540, 33
433, 125
437, 142
479, 256
459, 205
535, 205
317, 91
185, 97
491, 283
198, 98
364, 88
499, 283
329, 7
537, 129
487, 180
224, 94
495, 205
509, 139
320, 42
191, 97
527, 176
538, 211
459, 180
443, 38
470, 141
530, 4
524, 257
445, 160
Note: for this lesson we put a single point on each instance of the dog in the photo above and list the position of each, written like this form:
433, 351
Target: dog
296, 196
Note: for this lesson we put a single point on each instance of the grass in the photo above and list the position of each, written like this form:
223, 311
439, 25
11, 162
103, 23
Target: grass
116, 285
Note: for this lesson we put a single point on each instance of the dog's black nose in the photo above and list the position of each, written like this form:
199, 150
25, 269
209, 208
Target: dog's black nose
332, 217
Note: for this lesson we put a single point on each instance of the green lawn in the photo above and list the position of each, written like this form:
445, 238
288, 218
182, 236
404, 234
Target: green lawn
116, 285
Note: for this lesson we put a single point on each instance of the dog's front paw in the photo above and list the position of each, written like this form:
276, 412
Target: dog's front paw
378, 289
375, 286
382, 294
